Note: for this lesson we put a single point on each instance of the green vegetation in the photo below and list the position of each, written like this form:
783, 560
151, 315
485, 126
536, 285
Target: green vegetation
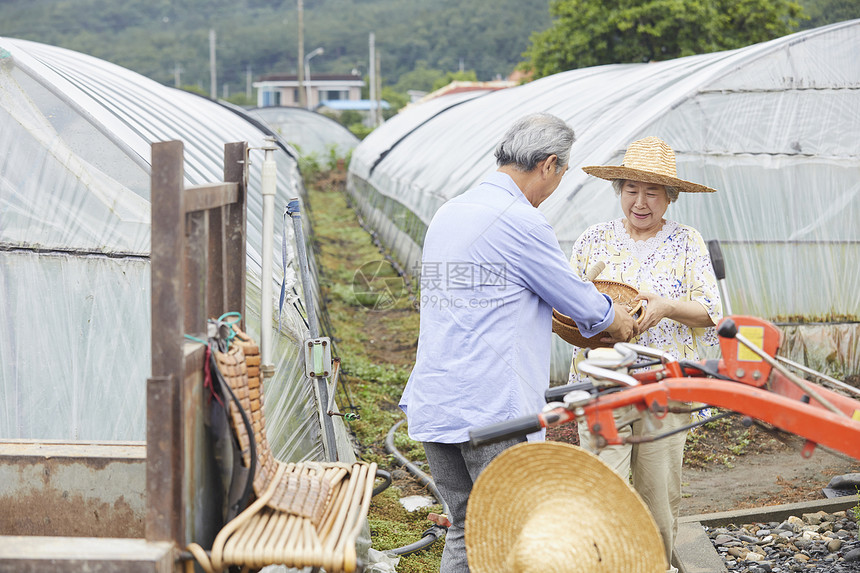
592, 32
422, 45
707, 445
377, 350
855, 511
159, 38
823, 12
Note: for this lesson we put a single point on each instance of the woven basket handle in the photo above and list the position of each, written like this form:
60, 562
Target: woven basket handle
595, 270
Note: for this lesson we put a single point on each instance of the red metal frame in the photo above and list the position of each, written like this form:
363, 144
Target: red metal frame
760, 392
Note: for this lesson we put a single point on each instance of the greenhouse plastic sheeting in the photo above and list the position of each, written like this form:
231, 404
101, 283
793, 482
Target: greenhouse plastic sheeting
773, 127
309, 132
75, 138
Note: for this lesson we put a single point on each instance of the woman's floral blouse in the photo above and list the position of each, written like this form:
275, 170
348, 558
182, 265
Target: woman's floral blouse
674, 264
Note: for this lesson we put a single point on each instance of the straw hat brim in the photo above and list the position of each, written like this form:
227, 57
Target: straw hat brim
553, 507
610, 172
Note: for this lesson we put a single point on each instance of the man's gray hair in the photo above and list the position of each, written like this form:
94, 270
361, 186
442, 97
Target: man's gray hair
671, 192
532, 139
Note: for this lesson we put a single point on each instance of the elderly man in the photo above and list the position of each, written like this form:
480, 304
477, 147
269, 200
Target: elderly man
492, 270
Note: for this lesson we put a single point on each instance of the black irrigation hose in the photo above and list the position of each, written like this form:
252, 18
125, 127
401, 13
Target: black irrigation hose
428, 538
435, 532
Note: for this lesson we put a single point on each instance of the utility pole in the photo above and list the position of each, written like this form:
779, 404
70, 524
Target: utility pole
177, 75
303, 102
372, 79
378, 119
213, 80
248, 82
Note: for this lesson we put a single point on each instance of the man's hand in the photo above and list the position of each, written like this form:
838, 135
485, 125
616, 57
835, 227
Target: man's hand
622, 329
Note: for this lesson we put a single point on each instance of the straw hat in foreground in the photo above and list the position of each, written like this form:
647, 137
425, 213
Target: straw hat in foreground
550, 507
649, 160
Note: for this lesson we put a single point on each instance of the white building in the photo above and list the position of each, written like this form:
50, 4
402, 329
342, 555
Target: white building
281, 90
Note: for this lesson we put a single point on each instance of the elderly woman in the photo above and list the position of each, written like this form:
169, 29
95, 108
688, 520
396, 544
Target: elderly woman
668, 264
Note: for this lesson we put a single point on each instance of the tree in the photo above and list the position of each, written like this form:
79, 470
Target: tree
593, 32
421, 78
823, 12
464, 76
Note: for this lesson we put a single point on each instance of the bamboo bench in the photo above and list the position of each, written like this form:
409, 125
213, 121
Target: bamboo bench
306, 514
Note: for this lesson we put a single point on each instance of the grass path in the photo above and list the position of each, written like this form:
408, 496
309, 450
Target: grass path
374, 326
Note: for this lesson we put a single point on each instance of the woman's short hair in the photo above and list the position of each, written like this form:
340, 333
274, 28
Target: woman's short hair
671, 192
532, 139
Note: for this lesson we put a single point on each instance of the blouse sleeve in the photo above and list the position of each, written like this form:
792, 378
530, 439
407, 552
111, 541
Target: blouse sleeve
702, 283
581, 253
579, 260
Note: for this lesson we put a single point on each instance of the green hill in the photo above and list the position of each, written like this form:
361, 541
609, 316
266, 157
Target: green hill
160, 38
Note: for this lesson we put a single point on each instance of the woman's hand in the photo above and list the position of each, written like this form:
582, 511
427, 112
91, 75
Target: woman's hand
656, 308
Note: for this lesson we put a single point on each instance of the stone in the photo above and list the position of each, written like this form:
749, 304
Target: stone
821, 542
845, 481
738, 552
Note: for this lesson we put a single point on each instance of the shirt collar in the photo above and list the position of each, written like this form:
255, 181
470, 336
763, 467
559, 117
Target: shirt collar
504, 181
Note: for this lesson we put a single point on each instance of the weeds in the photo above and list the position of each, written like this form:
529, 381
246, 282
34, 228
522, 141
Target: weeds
718, 441
855, 511
377, 350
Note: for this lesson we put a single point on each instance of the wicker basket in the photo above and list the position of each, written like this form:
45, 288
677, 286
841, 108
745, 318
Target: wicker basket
621, 293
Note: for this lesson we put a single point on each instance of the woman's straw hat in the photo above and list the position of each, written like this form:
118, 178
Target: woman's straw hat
550, 507
649, 160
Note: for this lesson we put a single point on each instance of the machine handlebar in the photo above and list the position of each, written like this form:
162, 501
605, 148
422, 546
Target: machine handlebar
505, 430
717, 259
557, 393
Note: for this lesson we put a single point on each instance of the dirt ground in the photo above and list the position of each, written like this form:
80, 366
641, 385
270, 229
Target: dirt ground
768, 470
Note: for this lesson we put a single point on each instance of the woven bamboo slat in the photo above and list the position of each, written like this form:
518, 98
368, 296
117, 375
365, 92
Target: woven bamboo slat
305, 514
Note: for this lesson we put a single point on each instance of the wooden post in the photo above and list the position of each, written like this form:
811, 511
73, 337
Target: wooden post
197, 272
236, 222
167, 268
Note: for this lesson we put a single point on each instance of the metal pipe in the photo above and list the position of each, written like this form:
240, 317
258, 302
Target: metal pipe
603, 374
295, 213
269, 185
308, 57
800, 383
825, 377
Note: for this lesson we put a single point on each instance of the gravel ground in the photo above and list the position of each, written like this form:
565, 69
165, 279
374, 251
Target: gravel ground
819, 541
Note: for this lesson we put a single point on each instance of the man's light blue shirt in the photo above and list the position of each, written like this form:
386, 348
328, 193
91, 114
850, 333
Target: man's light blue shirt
492, 271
